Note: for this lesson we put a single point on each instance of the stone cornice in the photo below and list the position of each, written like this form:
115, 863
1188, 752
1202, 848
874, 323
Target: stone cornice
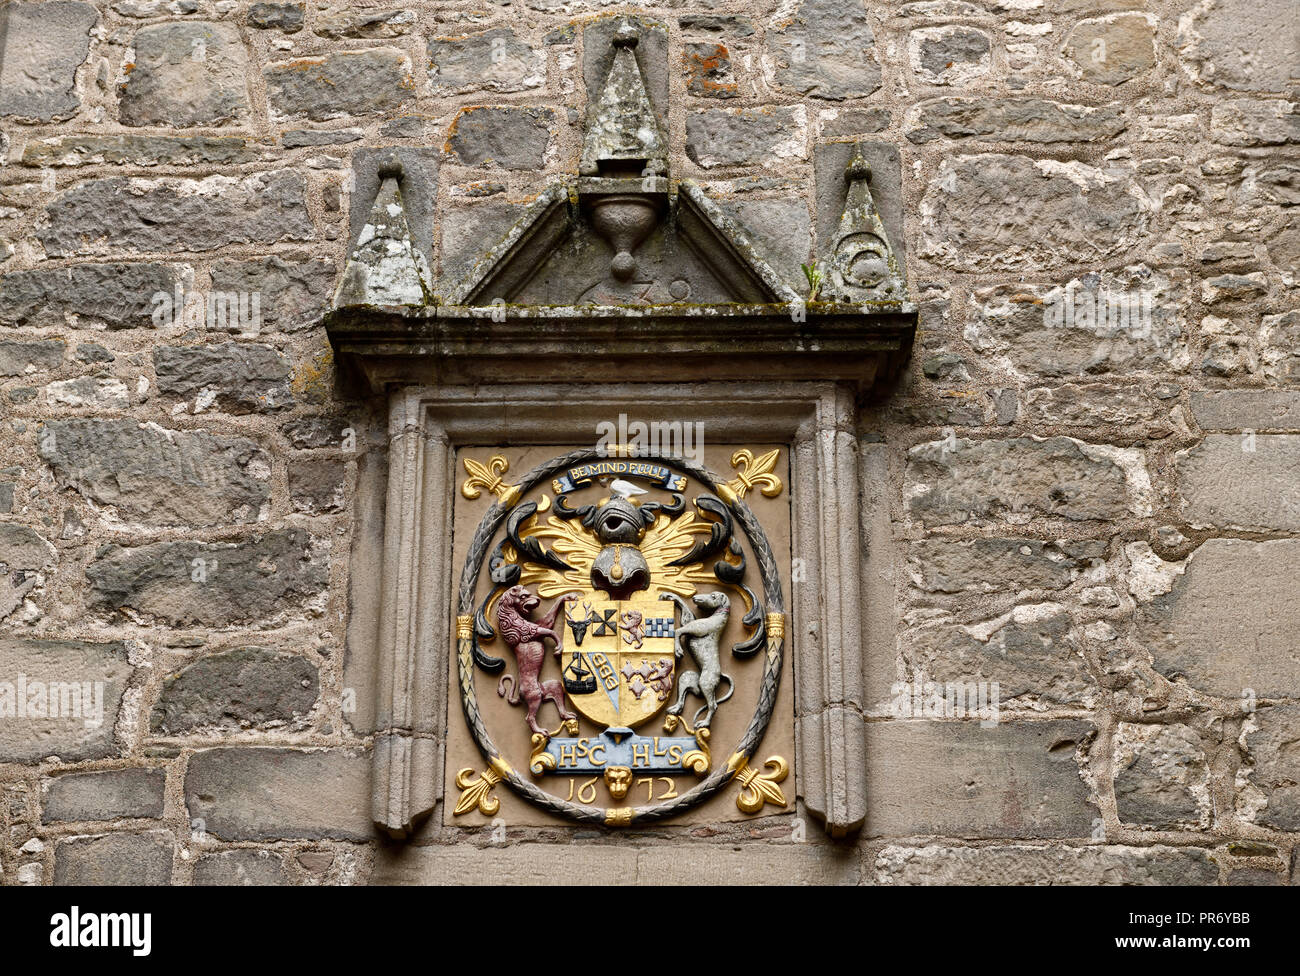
865, 343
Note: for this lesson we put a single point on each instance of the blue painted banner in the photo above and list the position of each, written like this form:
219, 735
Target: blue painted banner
620, 747
583, 473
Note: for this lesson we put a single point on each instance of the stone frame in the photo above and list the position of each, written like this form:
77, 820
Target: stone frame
815, 419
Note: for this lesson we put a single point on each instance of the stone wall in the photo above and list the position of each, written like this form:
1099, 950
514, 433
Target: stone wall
1086, 488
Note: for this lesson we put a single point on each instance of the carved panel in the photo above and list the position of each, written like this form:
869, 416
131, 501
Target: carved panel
670, 670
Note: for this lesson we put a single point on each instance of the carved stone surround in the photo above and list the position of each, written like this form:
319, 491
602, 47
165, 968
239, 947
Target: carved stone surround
426, 424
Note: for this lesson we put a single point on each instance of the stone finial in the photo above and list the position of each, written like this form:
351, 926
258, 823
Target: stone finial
861, 263
623, 136
390, 167
627, 35
385, 268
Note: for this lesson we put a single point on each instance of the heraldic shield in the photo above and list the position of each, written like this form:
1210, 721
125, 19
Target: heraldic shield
631, 599
620, 664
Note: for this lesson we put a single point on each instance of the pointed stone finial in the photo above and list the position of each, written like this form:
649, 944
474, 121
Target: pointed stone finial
385, 268
623, 136
858, 168
861, 265
390, 167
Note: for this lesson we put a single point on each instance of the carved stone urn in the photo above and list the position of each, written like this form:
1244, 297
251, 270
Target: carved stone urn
624, 220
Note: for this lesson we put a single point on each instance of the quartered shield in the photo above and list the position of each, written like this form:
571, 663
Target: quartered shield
618, 658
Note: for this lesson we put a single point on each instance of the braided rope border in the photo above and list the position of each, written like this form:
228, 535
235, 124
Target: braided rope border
749, 741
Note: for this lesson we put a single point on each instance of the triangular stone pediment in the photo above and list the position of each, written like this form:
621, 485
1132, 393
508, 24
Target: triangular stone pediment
693, 253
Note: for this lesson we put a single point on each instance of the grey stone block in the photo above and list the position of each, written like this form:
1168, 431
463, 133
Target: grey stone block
1237, 44
709, 71
244, 377
99, 393
745, 136
316, 432
286, 17
109, 795
186, 584
1097, 405
855, 122
22, 547
502, 136
1235, 481
1161, 777
292, 295
22, 358
1280, 338
268, 794
238, 689
138, 150
998, 564
317, 487
158, 476
826, 50
188, 73
1023, 864
952, 482
73, 692
1035, 120
1125, 42
41, 47
1272, 767
298, 138
241, 868
344, 21
162, 216
1071, 330
1229, 621
340, 84
956, 779
118, 295
114, 859
1047, 211
1032, 652
93, 352
1246, 409
951, 54
494, 60
733, 25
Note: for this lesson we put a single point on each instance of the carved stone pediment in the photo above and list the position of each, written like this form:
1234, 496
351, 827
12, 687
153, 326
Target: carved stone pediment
602, 242
632, 267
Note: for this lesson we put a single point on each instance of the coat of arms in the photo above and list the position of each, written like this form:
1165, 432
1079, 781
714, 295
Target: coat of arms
606, 618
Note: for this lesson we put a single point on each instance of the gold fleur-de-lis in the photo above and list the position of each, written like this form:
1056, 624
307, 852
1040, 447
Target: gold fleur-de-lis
756, 473
477, 789
758, 788
489, 476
